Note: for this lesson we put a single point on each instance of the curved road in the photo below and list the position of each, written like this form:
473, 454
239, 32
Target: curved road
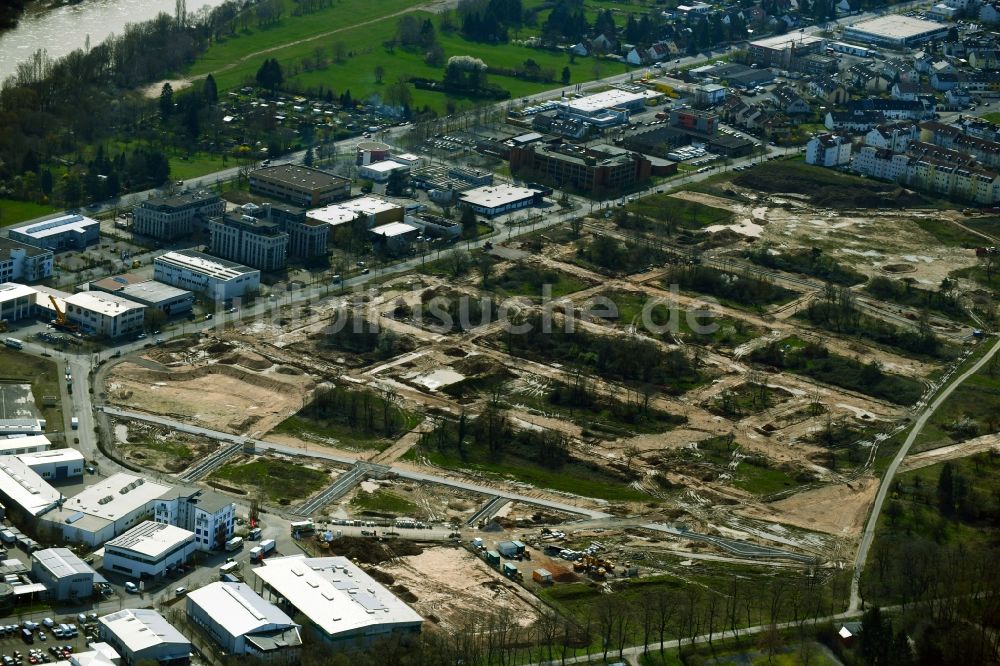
869, 533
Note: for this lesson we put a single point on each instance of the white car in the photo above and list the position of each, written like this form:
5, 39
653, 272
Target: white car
131, 587
49, 622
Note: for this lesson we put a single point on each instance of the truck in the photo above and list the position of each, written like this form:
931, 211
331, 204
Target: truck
256, 554
13, 343
228, 568
268, 546
254, 534
236, 543
74, 423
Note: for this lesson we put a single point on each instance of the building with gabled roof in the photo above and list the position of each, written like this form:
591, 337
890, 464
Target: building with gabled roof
63, 574
141, 635
243, 623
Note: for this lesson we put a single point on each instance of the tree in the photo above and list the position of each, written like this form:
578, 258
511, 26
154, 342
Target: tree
469, 222
210, 91
270, 76
166, 101
379, 73
946, 489
485, 266
307, 159
565, 75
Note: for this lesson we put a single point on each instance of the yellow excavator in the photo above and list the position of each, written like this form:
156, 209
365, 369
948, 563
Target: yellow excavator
60, 321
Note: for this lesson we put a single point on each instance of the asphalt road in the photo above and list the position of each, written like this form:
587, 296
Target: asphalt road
869, 534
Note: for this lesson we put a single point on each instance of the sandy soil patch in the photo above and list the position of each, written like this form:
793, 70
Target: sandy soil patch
836, 509
453, 585
944, 453
153, 90
218, 397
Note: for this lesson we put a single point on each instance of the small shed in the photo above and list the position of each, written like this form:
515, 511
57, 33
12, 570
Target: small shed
509, 549
493, 557
541, 576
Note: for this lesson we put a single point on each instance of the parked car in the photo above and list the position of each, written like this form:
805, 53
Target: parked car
131, 587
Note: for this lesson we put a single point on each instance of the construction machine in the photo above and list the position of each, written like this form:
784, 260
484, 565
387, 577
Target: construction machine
60, 321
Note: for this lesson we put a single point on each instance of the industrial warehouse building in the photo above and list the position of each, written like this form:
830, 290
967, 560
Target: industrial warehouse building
498, 199
299, 185
375, 212
243, 623
215, 278
143, 636
380, 172
895, 30
170, 218
782, 50
167, 299
25, 494
604, 109
148, 550
63, 574
67, 232
105, 315
11, 445
20, 262
55, 465
345, 606
17, 301
106, 509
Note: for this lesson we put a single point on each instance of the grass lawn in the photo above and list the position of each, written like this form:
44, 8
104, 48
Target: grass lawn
43, 375
278, 479
345, 436
183, 167
753, 473
383, 501
528, 280
992, 117
947, 233
973, 409
711, 328
13, 212
679, 213
573, 477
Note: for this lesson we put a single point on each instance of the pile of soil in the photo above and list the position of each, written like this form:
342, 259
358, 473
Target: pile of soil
367, 551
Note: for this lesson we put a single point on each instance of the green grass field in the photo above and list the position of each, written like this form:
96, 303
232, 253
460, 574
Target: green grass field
280, 480
183, 167
718, 330
383, 501
679, 212
13, 212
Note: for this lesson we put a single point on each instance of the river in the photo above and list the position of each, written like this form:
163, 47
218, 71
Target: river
64, 29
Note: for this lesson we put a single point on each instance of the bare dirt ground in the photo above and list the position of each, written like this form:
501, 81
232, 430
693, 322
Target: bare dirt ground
157, 448
838, 509
452, 585
219, 397
945, 453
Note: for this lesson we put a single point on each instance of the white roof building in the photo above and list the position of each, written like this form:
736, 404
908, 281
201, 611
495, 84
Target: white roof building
495, 199
241, 620
22, 486
609, 99
16, 300
141, 634
344, 603
107, 508
149, 549
394, 229
55, 464
374, 209
895, 30
105, 314
15, 444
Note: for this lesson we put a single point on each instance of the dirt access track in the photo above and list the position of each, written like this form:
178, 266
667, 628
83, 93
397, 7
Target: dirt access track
219, 397
838, 509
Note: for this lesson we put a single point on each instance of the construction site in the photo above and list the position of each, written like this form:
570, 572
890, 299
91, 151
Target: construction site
610, 452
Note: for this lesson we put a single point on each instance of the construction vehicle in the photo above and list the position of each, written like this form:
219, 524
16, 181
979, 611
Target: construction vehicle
60, 321
593, 566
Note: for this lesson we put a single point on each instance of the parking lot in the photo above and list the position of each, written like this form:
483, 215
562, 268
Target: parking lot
45, 647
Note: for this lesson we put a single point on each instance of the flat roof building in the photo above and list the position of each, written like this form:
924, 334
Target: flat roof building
56, 464
21, 262
170, 218
781, 50
103, 314
24, 491
14, 444
141, 635
17, 301
204, 274
604, 109
494, 200
210, 515
299, 185
243, 623
380, 172
106, 509
250, 241
396, 235
345, 606
595, 170
66, 232
63, 574
895, 30
148, 550
375, 211
167, 299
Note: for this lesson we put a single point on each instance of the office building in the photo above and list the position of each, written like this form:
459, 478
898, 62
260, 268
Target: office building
345, 606
250, 241
381, 172
21, 262
66, 232
143, 636
170, 218
148, 550
64, 575
106, 509
499, 199
299, 185
209, 515
17, 301
895, 30
107, 315
212, 277
307, 238
594, 170
374, 211
604, 109
243, 623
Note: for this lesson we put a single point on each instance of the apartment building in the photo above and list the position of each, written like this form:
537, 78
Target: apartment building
170, 218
